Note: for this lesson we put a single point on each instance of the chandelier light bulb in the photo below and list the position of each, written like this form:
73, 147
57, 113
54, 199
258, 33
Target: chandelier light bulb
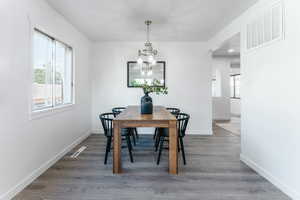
140, 61
153, 62
150, 59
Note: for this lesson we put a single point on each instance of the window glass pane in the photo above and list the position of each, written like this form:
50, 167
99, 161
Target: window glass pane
216, 83
232, 86
63, 74
60, 63
68, 95
214, 92
42, 71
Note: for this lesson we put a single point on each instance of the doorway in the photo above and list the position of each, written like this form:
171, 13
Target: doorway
226, 82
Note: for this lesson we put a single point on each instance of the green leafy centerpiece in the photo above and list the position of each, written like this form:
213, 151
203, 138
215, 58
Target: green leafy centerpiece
146, 101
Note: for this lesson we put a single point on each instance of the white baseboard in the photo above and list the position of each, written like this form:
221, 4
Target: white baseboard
221, 119
36, 173
267, 175
150, 131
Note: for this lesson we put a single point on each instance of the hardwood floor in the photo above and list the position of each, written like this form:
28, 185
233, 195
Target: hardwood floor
213, 172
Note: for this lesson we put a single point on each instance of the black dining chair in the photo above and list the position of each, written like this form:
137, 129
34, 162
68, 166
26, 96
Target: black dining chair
107, 124
182, 122
118, 110
132, 131
173, 111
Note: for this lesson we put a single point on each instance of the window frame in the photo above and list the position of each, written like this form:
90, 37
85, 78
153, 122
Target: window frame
234, 86
54, 108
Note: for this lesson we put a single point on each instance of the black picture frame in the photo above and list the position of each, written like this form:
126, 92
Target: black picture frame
135, 62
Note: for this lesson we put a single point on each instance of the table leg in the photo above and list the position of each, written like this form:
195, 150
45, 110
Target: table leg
117, 162
173, 148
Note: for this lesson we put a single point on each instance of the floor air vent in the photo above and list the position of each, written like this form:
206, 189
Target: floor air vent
79, 151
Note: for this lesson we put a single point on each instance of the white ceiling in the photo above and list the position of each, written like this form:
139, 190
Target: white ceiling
173, 20
233, 43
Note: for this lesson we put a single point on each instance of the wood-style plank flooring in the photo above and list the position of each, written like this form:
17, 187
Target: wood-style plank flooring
213, 172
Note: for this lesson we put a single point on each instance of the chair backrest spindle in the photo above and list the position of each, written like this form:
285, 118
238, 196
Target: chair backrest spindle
182, 122
107, 123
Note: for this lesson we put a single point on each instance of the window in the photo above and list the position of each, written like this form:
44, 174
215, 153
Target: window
216, 83
235, 86
52, 72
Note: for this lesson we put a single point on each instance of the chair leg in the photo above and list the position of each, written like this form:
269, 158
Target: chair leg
162, 139
108, 143
178, 146
157, 140
155, 134
128, 140
182, 150
133, 136
136, 133
129, 146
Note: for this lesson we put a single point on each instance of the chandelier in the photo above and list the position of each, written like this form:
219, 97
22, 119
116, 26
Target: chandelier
147, 55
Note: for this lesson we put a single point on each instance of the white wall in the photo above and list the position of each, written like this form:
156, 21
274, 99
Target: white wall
221, 105
27, 147
235, 107
188, 74
270, 101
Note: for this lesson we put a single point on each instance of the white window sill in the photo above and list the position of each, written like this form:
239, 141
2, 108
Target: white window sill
50, 111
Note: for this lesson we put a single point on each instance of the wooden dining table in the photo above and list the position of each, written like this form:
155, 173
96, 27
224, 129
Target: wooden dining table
131, 117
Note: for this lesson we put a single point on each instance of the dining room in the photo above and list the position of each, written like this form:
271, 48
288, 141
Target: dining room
115, 100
